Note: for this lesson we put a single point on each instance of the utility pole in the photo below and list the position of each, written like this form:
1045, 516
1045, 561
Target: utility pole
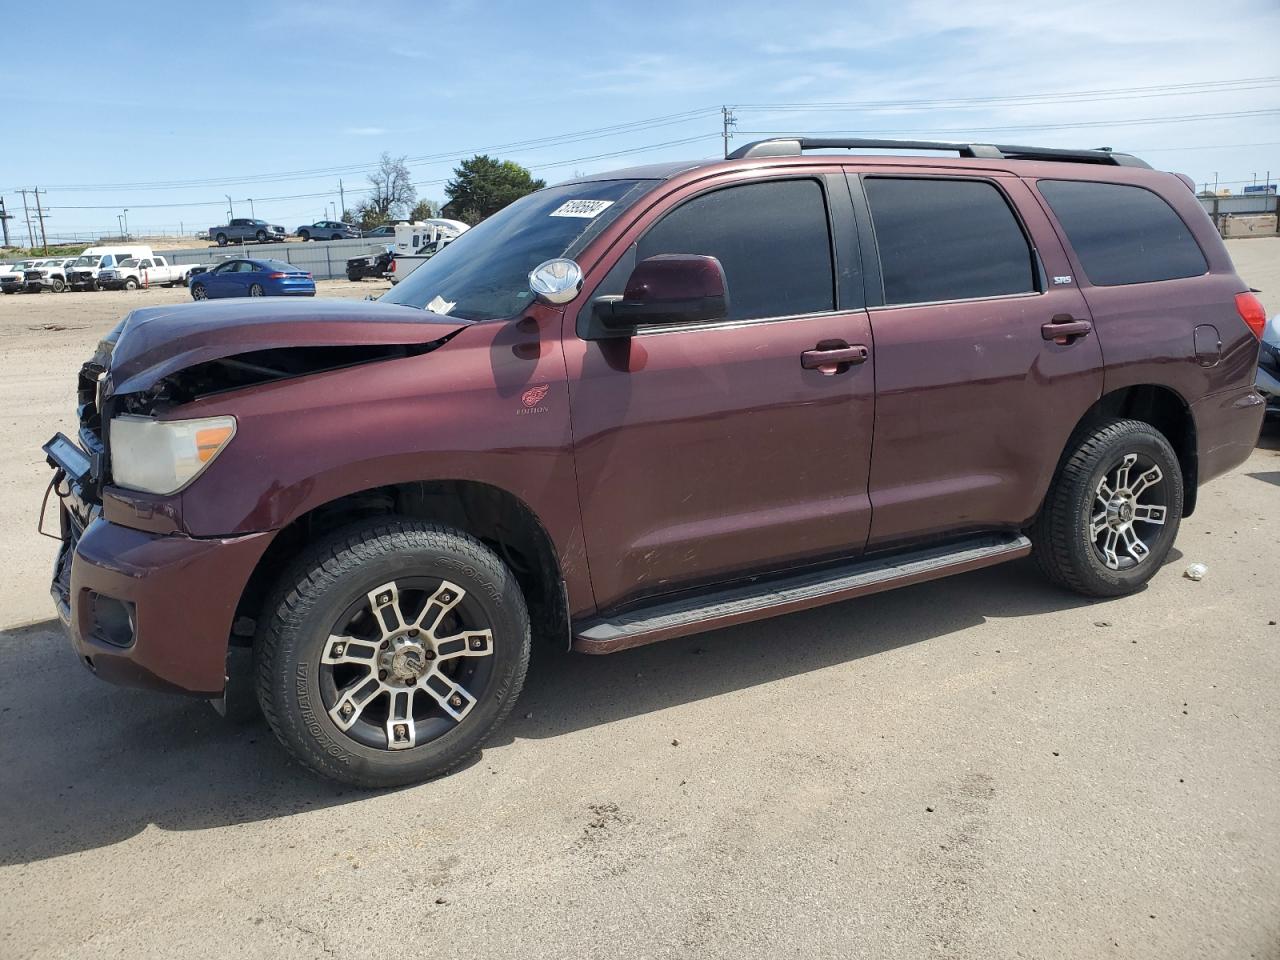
230, 206
252, 212
44, 241
342, 201
5, 217
26, 212
126, 223
727, 120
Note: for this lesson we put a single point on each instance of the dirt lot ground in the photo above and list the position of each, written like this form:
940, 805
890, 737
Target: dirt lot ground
978, 767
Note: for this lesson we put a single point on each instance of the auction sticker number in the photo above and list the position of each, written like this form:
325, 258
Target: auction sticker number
581, 208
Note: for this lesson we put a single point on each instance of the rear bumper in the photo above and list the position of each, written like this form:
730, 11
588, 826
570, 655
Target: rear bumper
1268, 385
1227, 428
148, 610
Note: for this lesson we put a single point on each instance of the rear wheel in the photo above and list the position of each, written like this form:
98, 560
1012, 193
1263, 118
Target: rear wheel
255, 290
1112, 512
198, 292
391, 651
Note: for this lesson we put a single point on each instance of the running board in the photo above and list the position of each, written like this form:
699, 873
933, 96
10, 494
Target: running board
762, 598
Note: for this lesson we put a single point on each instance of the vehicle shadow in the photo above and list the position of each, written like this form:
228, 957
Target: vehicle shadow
87, 765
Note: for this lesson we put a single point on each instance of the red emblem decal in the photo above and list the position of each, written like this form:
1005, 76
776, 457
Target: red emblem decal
534, 395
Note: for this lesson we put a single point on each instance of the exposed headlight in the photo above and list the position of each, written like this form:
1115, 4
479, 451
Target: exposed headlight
164, 456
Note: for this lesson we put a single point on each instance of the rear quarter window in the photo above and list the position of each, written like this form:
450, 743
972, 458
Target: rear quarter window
1123, 234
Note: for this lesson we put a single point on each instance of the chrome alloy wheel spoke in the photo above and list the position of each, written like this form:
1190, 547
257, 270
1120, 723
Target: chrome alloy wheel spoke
1116, 511
400, 655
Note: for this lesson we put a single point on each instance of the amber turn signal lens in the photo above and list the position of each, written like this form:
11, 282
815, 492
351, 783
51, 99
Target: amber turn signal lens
210, 440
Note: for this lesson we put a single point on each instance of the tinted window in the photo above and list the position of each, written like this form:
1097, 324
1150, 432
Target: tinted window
771, 238
1123, 234
484, 273
947, 240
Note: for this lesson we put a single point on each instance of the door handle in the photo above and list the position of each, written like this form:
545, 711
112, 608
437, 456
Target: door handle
834, 357
1064, 329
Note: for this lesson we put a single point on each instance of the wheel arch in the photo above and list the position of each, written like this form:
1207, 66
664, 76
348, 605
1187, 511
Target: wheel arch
1162, 407
496, 517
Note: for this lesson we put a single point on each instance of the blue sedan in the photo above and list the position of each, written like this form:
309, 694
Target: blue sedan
252, 278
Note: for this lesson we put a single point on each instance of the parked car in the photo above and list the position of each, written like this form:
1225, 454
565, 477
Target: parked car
1268, 377
243, 229
13, 277
644, 404
385, 232
252, 278
375, 266
329, 230
84, 270
47, 274
153, 271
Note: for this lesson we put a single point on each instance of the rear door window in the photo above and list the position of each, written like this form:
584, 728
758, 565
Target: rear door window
771, 238
1123, 234
947, 240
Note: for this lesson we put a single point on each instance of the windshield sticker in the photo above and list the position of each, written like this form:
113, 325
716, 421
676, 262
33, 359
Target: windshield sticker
440, 305
586, 209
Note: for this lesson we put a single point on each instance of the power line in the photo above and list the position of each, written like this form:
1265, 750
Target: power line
1160, 90
1137, 121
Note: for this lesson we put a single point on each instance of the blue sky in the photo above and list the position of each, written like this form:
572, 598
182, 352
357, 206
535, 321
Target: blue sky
268, 100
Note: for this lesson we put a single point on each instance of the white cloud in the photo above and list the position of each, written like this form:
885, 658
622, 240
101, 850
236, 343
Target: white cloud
364, 131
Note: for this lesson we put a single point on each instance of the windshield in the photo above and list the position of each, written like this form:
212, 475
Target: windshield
484, 273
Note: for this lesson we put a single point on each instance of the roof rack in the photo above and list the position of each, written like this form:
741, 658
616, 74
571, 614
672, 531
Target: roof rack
794, 146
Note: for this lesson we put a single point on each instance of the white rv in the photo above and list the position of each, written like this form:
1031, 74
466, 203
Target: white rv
416, 243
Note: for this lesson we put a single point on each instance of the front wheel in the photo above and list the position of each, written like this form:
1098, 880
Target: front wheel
390, 651
1112, 512
57, 285
304, 236
198, 292
130, 283
261, 236
222, 239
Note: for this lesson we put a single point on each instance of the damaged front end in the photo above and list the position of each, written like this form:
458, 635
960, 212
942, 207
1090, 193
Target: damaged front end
127, 566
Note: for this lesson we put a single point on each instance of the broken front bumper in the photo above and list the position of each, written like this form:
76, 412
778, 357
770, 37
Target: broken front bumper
144, 609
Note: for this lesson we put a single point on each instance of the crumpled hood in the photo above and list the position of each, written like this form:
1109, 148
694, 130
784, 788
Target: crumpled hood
151, 343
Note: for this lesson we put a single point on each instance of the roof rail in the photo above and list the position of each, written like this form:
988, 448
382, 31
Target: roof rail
794, 146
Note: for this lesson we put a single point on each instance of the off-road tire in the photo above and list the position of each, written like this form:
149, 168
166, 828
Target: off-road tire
310, 595
1063, 547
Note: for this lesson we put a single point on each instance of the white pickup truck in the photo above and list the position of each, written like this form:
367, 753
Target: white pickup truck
149, 271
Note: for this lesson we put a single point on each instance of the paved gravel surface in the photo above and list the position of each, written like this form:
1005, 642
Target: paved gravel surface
978, 767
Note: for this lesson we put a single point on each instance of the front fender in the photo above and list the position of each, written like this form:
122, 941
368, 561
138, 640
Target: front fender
491, 405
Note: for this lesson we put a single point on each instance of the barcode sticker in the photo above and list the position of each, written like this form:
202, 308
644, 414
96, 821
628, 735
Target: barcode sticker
581, 208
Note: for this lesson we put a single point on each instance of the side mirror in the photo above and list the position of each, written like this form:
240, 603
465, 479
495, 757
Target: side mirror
669, 289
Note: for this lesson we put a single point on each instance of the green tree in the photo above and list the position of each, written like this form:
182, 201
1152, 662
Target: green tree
366, 215
425, 210
482, 186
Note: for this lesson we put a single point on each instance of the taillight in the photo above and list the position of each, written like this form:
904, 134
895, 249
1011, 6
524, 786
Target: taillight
1252, 312
393, 267
276, 276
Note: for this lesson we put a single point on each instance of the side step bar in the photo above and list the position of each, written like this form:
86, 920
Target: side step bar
761, 598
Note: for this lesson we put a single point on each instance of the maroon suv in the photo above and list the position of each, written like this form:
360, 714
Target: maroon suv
643, 404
